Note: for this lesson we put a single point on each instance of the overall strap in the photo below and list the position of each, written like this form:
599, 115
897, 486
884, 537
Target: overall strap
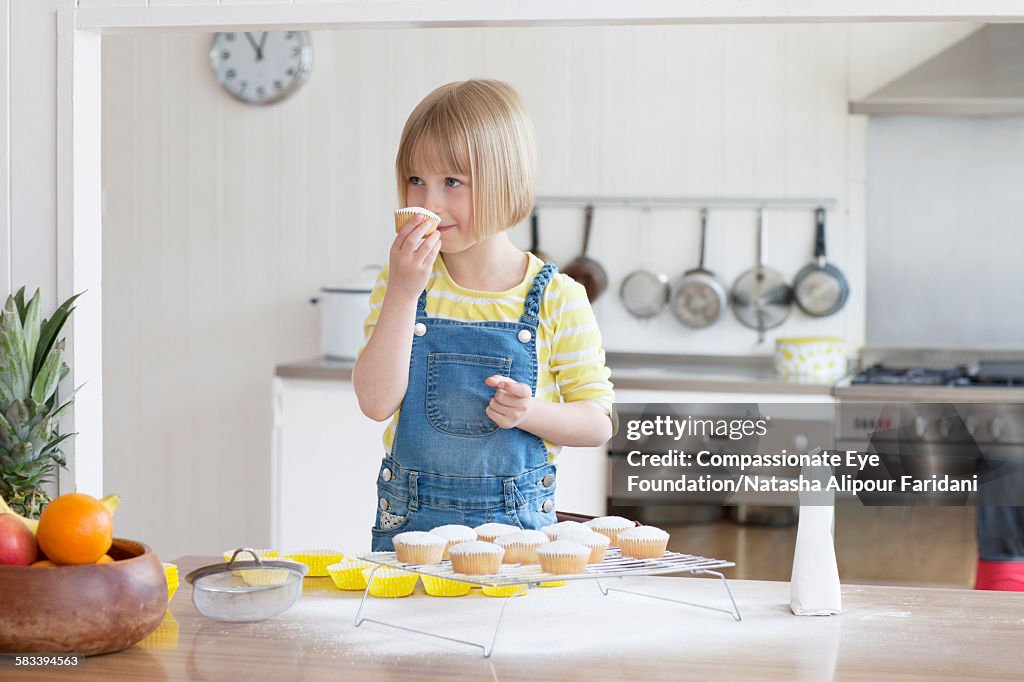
531, 306
421, 303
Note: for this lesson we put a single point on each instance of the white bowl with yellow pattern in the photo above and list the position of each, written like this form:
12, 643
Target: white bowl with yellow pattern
821, 358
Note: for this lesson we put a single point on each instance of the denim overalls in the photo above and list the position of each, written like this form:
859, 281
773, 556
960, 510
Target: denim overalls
449, 462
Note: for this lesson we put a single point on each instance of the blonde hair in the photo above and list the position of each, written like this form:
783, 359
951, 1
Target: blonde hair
480, 129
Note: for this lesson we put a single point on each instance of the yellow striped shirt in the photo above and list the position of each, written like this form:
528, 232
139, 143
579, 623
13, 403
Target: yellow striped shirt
570, 359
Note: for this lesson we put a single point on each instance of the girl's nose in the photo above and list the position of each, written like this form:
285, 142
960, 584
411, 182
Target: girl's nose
434, 201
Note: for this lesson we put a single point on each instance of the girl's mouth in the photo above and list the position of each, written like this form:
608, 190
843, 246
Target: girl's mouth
442, 228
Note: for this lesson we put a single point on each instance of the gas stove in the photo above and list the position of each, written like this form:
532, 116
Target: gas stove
957, 398
1009, 374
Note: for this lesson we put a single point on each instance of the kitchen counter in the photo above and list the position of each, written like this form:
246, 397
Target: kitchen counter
636, 370
573, 632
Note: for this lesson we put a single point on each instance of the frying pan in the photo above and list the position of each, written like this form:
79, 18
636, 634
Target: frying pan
698, 298
820, 287
761, 298
535, 239
584, 270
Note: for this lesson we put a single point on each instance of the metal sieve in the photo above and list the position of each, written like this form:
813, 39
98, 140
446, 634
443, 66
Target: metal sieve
246, 591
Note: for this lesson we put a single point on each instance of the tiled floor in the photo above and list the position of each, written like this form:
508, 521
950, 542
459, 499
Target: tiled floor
927, 546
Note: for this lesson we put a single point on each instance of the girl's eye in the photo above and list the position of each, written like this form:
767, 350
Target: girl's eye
415, 181
453, 182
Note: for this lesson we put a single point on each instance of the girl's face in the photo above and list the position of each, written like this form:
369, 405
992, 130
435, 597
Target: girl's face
449, 195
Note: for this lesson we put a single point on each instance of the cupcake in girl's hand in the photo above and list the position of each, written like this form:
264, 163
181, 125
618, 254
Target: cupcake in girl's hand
554, 529
643, 542
610, 526
404, 215
563, 557
521, 547
454, 534
595, 542
476, 558
417, 547
487, 532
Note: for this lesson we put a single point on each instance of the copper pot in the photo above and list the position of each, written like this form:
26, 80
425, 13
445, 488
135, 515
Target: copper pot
585, 270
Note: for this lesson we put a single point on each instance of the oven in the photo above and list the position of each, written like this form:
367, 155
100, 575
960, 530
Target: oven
950, 421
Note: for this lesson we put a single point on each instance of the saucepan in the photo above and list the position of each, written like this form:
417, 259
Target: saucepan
698, 298
761, 298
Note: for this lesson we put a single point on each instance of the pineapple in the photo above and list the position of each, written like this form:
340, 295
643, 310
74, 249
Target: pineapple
31, 367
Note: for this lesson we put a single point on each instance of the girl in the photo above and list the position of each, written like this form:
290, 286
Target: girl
486, 359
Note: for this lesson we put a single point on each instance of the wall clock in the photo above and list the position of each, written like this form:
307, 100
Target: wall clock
262, 67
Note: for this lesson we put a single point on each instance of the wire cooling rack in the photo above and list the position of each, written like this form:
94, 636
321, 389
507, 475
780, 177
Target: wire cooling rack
528, 576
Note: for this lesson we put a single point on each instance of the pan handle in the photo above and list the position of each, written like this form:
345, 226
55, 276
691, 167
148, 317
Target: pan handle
533, 231
819, 236
703, 235
588, 219
760, 237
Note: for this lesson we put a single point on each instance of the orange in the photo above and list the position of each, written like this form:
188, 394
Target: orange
105, 559
45, 563
75, 529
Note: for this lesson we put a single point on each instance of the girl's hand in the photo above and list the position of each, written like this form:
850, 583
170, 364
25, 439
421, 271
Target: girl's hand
412, 258
511, 402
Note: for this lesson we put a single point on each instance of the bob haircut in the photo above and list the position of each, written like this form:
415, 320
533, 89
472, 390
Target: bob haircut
477, 128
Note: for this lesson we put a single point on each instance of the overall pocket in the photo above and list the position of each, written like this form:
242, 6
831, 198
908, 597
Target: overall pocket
393, 519
457, 396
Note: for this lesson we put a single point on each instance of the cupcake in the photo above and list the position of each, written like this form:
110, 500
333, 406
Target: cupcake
476, 558
417, 547
488, 531
610, 526
404, 215
643, 542
454, 534
595, 542
554, 529
563, 557
521, 547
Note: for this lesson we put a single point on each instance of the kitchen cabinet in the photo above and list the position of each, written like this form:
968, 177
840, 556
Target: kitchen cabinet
326, 457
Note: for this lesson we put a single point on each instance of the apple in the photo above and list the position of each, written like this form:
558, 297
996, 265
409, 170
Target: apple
17, 543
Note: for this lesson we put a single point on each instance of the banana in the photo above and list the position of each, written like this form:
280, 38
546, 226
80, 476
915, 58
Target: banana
111, 502
32, 524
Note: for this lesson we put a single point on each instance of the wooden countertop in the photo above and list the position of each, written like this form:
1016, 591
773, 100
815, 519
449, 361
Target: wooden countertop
573, 632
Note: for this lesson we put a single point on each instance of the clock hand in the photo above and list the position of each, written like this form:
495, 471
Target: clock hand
252, 42
259, 50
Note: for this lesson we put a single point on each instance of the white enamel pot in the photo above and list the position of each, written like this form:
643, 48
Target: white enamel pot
343, 309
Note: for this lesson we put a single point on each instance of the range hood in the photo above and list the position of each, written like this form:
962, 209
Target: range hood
982, 75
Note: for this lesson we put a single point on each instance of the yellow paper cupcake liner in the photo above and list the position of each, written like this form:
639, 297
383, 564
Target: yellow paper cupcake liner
348, 574
245, 556
171, 572
317, 560
553, 583
264, 576
504, 590
165, 636
442, 587
391, 582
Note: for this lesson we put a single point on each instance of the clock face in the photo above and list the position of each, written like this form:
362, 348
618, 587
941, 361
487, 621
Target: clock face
261, 67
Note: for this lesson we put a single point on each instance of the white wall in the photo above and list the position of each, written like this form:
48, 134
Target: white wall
221, 220
944, 232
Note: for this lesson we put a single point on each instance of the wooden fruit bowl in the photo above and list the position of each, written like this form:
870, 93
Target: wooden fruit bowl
87, 610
